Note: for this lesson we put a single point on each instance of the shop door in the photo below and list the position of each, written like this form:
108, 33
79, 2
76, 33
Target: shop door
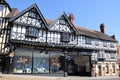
1, 62
71, 67
79, 66
99, 69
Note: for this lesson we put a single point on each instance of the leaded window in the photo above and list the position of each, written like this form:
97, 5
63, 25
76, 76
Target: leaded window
88, 41
112, 45
65, 37
32, 32
1, 7
62, 22
32, 14
105, 44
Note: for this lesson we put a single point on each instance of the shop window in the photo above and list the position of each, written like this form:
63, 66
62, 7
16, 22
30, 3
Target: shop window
41, 63
32, 32
22, 62
57, 63
31, 62
113, 67
65, 37
107, 68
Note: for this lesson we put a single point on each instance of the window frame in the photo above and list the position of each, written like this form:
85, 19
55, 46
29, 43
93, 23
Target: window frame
65, 37
88, 40
1, 7
32, 32
0, 21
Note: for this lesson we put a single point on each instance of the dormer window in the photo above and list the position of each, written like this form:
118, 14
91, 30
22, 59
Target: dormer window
97, 43
104, 44
112, 45
65, 37
32, 14
62, 22
1, 7
32, 32
88, 41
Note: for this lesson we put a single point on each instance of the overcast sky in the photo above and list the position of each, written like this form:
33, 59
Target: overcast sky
88, 13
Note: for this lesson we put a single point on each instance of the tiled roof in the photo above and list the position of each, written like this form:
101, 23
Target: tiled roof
49, 21
93, 33
89, 32
14, 11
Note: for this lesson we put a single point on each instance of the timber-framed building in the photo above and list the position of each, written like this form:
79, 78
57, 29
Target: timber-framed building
31, 44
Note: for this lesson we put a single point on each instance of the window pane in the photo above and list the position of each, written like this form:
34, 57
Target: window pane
1, 7
22, 62
0, 21
57, 63
41, 63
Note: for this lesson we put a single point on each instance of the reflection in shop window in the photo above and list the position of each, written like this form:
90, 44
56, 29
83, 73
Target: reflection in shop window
22, 64
41, 63
57, 63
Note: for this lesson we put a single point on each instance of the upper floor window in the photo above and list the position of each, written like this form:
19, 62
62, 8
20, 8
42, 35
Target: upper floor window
97, 43
0, 21
1, 7
112, 45
104, 44
32, 14
32, 32
62, 22
88, 40
65, 37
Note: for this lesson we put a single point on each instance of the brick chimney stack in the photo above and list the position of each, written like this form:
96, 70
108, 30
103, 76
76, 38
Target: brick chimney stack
71, 17
102, 28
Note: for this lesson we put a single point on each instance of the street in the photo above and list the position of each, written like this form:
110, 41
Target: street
33, 77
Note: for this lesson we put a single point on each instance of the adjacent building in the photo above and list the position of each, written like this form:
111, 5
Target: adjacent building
31, 44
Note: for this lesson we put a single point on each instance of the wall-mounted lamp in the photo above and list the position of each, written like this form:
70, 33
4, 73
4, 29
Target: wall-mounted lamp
11, 54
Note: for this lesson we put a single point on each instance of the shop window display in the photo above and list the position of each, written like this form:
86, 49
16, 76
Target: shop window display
23, 64
36, 62
41, 63
57, 63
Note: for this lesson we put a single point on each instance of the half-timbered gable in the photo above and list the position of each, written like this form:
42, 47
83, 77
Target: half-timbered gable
4, 11
29, 25
62, 31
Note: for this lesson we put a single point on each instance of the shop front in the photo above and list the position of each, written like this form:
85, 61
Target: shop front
37, 62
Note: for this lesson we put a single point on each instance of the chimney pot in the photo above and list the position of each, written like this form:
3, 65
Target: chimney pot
102, 28
71, 17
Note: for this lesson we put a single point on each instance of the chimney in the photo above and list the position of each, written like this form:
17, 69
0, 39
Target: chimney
71, 17
113, 36
102, 28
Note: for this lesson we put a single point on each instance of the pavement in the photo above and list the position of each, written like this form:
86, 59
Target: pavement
34, 77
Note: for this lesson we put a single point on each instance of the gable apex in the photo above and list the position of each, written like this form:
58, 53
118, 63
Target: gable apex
32, 7
65, 18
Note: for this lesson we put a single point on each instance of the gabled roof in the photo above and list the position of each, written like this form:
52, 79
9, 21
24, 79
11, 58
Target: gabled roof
88, 32
5, 3
24, 11
66, 17
94, 33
